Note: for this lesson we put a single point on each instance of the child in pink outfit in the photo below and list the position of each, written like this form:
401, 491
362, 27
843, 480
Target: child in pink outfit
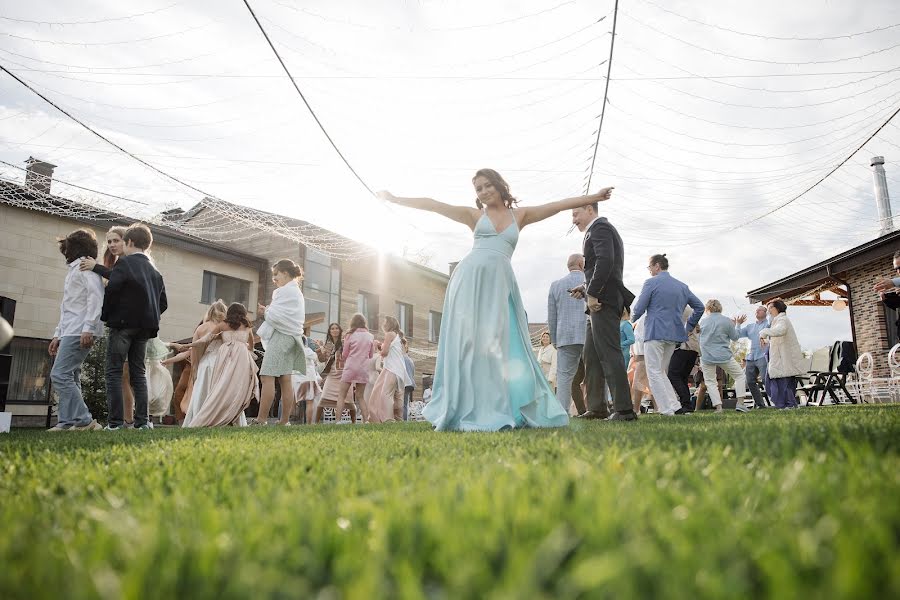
358, 348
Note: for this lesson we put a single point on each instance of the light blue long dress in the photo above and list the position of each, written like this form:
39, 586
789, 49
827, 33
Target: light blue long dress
486, 376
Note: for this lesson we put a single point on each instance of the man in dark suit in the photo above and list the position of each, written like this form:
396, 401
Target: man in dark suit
132, 304
607, 297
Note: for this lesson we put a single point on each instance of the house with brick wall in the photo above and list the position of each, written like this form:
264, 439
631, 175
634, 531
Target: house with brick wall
197, 271
849, 277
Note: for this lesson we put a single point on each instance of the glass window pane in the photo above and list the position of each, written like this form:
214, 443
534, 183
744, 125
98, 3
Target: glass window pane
229, 289
316, 306
29, 374
316, 277
317, 257
316, 295
335, 315
335, 281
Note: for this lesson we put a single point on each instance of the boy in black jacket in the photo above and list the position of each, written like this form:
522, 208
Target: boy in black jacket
134, 300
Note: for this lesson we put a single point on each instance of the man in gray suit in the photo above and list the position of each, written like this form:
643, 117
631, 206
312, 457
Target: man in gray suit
566, 320
607, 297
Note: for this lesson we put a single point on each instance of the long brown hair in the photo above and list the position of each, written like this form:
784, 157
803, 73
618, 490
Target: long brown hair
339, 342
499, 184
392, 324
357, 321
109, 259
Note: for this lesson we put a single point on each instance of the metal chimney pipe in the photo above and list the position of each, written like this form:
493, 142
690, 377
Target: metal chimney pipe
882, 197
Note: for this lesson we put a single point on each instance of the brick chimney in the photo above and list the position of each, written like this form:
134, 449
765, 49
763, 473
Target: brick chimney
38, 175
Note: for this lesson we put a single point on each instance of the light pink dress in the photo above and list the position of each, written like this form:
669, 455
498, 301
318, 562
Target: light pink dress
226, 382
357, 349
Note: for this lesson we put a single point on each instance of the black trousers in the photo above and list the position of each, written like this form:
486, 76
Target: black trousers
680, 368
125, 344
604, 365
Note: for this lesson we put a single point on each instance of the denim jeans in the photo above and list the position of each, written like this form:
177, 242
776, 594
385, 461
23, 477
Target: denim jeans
752, 369
567, 358
66, 378
128, 344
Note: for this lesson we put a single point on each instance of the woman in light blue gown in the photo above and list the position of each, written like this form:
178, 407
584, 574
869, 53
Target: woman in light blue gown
486, 376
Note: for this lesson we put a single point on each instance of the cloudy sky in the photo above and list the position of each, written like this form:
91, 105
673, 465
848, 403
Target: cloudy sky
720, 115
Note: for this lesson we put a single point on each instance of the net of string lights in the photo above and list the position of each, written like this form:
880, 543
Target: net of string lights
716, 126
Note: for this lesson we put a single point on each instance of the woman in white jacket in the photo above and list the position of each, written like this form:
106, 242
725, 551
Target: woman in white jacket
786, 360
282, 338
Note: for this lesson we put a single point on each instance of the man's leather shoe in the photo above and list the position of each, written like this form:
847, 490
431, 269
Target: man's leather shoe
623, 416
591, 415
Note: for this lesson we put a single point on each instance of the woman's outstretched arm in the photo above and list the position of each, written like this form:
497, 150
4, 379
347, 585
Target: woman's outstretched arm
533, 214
461, 214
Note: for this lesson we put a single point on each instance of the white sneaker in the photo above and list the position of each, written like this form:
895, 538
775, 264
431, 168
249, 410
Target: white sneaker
111, 428
740, 408
92, 426
59, 427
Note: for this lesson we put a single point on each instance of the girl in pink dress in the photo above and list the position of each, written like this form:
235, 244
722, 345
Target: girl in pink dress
358, 346
386, 401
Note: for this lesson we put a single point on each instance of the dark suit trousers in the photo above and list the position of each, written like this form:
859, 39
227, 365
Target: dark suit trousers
680, 368
603, 362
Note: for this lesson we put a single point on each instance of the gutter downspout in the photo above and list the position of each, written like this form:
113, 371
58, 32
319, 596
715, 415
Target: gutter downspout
849, 302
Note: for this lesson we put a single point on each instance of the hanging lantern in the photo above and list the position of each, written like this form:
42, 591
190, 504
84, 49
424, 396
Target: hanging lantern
839, 304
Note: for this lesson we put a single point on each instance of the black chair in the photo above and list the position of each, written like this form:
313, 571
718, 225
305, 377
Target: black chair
824, 384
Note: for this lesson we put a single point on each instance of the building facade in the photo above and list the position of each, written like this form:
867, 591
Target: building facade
196, 273
850, 275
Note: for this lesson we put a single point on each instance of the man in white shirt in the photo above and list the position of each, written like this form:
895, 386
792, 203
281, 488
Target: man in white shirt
79, 325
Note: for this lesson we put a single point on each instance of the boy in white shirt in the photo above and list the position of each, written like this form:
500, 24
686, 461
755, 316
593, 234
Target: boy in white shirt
79, 325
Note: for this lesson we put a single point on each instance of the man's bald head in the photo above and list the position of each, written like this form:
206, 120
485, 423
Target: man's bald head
575, 262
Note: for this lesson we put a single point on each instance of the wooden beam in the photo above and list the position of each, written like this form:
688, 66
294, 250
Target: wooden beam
839, 291
811, 303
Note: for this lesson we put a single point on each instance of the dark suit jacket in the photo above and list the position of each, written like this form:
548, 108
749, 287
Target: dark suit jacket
604, 259
135, 297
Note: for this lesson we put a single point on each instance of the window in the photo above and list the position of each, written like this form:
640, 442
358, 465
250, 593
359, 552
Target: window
322, 289
228, 289
367, 305
434, 326
29, 375
405, 317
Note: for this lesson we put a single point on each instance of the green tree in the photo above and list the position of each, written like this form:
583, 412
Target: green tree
93, 380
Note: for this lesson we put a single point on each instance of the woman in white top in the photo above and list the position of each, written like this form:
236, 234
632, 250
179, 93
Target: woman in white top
547, 358
386, 401
786, 359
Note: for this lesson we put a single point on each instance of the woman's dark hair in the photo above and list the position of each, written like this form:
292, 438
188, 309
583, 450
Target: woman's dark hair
391, 324
357, 321
547, 333
339, 341
80, 242
236, 316
661, 260
779, 305
499, 184
286, 265
109, 259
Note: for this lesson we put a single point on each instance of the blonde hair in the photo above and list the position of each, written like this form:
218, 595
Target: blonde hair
216, 312
714, 306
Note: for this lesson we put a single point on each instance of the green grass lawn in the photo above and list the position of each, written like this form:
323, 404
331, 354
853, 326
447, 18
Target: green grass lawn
798, 504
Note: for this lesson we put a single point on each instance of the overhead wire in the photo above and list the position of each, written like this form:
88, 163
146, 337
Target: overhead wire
772, 37
609, 63
305, 102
